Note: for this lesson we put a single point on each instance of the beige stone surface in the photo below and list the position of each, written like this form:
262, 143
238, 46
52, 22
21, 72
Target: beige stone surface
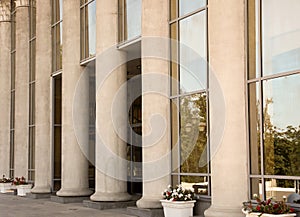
110, 169
228, 64
5, 94
153, 103
74, 163
22, 92
43, 102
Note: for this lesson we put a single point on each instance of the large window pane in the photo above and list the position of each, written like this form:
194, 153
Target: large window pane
193, 69
130, 20
175, 136
91, 28
193, 134
280, 36
282, 126
187, 6
198, 183
254, 128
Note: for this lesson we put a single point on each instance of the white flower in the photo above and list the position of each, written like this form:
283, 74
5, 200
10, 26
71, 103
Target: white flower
169, 186
180, 195
174, 190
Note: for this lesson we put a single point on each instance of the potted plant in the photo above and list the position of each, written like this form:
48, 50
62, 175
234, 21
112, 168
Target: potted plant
22, 186
267, 208
178, 202
5, 184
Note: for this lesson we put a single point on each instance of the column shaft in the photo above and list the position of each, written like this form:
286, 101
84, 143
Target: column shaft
227, 59
74, 163
110, 158
22, 90
5, 74
154, 24
42, 107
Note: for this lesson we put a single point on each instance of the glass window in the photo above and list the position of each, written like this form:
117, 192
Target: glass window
130, 19
31, 126
280, 36
88, 29
192, 36
57, 25
189, 99
187, 6
273, 93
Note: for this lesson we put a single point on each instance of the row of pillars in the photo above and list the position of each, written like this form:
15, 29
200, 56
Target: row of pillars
227, 58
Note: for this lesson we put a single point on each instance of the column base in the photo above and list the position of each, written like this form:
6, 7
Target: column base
76, 192
149, 203
214, 211
41, 190
117, 196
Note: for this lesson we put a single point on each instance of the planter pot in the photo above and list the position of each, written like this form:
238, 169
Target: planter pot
255, 214
22, 190
178, 208
5, 187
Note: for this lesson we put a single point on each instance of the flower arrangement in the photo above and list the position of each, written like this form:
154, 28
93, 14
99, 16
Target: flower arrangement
268, 206
178, 193
5, 180
20, 181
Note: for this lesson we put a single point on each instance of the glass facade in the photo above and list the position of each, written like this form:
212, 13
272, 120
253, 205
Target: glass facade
12, 91
189, 95
130, 19
57, 25
273, 93
88, 29
32, 58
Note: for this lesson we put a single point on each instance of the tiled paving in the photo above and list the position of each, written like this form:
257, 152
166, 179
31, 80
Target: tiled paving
15, 206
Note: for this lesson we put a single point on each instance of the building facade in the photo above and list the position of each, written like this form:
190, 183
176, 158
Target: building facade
117, 99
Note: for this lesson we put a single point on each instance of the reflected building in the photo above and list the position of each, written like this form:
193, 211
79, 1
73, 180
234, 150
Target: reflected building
112, 101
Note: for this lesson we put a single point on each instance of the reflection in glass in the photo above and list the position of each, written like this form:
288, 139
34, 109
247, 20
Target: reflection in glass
254, 128
282, 126
256, 188
279, 188
198, 183
174, 59
175, 145
193, 67
193, 133
91, 32
280, 36
130, 20
187, 6
88, 30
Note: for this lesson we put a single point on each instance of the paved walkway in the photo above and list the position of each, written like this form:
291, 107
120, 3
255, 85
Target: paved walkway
14, 206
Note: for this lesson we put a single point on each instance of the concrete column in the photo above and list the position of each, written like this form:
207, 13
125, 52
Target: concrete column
43, 70
22, 90
111, 167
74, 164
227, 56
154, 148
5, 74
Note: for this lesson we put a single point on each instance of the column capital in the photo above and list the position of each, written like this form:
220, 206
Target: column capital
22, 3
4, 11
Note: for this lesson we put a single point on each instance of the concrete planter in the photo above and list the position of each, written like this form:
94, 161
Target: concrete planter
22, 190
5, 187
255, 214
178, 208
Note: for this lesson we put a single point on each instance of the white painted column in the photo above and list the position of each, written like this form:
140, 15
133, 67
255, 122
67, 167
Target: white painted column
111, 167
42, 107
227, 56
74, 163
22, 90
155, 148
5, 86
